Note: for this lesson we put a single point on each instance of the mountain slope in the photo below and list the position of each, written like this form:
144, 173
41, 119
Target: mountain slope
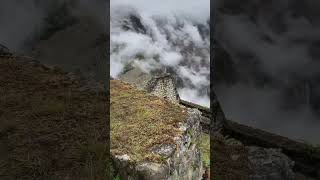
53, 124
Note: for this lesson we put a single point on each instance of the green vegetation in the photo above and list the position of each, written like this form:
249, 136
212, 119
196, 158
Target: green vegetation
312, 148
205, 149
113, 173
140, 121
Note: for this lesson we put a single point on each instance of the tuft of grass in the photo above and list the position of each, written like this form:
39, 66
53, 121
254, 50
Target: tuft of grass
140, 121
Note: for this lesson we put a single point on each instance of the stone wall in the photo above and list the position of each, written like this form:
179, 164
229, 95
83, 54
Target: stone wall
164, 86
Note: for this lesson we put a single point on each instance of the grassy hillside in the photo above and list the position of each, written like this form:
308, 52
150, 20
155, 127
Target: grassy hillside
51, 127
140, 121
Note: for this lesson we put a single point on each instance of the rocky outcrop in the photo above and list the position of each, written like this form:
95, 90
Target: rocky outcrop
136, 77
266, 159
269, 164
133, 23
4, 50
182, 159
162, 85
306, 157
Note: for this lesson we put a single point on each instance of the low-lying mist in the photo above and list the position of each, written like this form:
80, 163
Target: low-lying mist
273, 78
167, 39
24, 21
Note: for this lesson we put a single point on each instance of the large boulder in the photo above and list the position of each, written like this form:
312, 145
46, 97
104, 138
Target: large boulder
269, 164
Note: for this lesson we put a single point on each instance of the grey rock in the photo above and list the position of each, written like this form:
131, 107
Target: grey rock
165, 150
269, 164
163, 85
153, 171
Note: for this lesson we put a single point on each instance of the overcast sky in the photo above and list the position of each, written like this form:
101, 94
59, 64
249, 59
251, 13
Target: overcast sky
199, 9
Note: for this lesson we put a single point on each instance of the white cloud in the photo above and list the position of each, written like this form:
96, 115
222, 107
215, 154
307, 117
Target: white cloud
199, 10
195, 77
169, 40
193, 95
193, 33
171, 58
281, 43
115, 66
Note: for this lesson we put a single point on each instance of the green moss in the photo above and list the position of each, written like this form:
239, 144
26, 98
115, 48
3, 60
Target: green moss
113, 172
140, 121
312, 148
205, 149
